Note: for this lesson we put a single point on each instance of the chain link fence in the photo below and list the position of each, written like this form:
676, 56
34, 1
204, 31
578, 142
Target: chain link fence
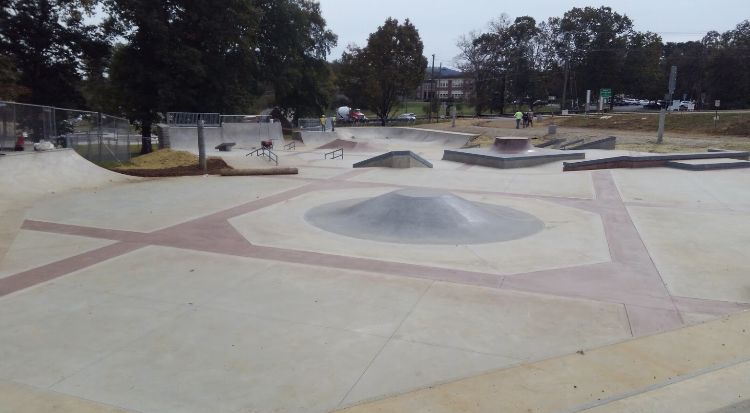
246, 119
96, 136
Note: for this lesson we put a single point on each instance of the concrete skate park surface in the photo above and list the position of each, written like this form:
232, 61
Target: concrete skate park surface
216, 294
244, 135
389, 136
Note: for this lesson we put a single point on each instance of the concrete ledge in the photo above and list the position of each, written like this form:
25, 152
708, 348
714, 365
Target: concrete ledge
508, 161
648, 161
555, 143
395, 159
708, 164
606, 143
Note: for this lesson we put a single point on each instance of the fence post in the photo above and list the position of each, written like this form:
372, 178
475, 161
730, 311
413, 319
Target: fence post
201, 146
128, 138
101, 136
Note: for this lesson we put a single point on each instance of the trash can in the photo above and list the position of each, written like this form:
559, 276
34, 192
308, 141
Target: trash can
552, 129
538, 118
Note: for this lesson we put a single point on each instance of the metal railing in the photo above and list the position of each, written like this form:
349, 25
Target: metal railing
191, 119
292, 146
333, 154
246, 119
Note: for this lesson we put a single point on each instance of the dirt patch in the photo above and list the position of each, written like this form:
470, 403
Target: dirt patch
214, 167
163, 159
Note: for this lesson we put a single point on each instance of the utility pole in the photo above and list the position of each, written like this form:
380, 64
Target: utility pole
440, 77
432, 86
667, 98
565, 85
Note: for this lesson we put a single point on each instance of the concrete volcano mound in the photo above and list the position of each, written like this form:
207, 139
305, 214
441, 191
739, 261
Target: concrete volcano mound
423, 216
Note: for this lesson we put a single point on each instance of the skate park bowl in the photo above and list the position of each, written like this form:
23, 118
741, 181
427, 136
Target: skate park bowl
244, 135
423, 216
352, 146
390, 137
511, 152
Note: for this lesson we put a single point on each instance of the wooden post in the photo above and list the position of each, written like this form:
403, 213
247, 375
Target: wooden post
201, 146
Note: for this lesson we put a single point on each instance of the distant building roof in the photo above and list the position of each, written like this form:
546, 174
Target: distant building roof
446, 71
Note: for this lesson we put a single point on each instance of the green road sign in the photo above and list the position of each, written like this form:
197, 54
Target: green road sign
605, 93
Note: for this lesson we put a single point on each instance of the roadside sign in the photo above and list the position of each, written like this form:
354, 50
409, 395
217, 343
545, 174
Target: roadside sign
717, 103
605, 93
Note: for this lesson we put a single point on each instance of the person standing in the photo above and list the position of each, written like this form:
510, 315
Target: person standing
518, 116
333, 123
531, 118
21, 142
323, 123
525, 118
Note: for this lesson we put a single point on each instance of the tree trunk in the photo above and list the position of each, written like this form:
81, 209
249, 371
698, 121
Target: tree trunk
146, 136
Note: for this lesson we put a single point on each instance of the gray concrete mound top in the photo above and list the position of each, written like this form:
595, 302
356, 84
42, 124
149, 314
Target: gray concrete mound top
423, 216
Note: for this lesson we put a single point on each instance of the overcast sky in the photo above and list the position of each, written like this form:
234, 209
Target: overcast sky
440, 23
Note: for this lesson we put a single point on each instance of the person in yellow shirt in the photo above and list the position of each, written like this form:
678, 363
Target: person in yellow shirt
518, 117
323, 122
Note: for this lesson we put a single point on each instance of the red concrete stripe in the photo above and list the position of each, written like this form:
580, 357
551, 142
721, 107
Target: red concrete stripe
26, 279
111, 234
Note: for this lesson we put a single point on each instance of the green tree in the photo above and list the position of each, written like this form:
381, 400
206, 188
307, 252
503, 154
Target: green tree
46, 42
390, 66
293, 44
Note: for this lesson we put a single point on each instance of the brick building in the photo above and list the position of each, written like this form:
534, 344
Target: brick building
449, 83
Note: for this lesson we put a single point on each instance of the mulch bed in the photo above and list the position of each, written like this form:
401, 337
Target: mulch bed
214, 167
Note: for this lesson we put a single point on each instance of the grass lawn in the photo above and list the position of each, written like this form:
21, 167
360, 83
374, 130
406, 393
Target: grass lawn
729, 124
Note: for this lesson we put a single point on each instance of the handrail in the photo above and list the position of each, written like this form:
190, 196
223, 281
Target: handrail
255, 152
333, 153
275, 157
291, 146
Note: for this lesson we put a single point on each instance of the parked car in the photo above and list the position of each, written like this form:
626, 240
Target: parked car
630, 101
540, 102
644, 102
407, 116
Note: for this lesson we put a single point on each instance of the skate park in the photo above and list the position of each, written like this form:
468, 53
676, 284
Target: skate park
460, 287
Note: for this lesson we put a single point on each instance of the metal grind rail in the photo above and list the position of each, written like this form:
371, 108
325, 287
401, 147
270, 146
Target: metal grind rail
267, 153
333, 154
272, 157
291, 146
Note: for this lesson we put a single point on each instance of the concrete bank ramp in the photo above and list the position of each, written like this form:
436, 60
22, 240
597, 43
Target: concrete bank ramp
352, 146
244, 135
423, 216
394, 159
57, 170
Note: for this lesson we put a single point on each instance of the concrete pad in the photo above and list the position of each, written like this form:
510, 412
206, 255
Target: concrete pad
32, 249
221, 361
664, 185
404, 366
167, 274
152, 205
561, 185
571, 237
53, 331
327, 297
699, 254
511, 324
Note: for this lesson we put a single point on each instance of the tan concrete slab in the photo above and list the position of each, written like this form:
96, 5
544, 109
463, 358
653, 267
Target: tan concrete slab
50, 332
228, 362
577, 380
32, 249
570, 185
15, 397
701, 394
167, 274
349, 300
156, 204
404, 366
699, 254
511, 324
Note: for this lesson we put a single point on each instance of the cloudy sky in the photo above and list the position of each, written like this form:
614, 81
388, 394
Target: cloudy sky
440, 23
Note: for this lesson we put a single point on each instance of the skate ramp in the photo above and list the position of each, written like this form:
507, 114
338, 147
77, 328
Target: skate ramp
394, 159
414, 135
423, 216
352, 146
506, 153
56, 170
512, 145
244, 135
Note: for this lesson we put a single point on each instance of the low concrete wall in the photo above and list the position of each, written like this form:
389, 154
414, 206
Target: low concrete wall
648, 161
507, 162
